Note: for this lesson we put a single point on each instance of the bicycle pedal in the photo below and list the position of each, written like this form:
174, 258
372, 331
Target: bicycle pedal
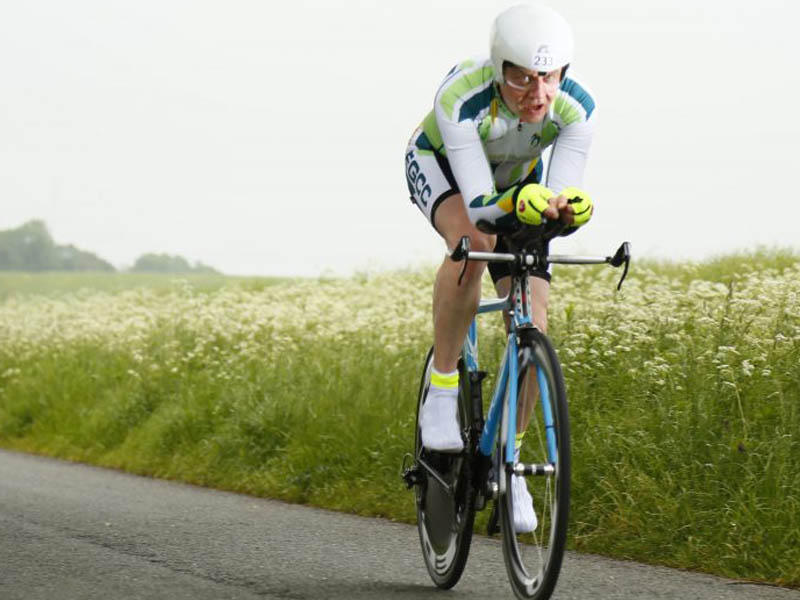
477, 376
411, 476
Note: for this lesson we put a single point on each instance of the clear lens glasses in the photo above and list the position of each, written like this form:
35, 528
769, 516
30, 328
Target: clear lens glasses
522, 80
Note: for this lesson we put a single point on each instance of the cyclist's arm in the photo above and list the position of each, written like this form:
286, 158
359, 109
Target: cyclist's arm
473, 174
466, 156
569, 153
575, 113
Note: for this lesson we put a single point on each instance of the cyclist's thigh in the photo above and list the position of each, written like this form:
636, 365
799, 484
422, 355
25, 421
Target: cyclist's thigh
452, 223
434, 190
429, 178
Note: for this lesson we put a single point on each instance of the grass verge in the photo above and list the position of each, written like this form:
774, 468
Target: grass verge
684, 393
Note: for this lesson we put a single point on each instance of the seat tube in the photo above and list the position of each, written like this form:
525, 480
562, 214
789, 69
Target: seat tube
470, 350
522, 300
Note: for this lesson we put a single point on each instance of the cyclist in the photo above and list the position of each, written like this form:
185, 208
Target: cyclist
474, 167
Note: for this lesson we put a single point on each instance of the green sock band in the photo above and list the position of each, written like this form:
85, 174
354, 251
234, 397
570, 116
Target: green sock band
518, 440
444, 380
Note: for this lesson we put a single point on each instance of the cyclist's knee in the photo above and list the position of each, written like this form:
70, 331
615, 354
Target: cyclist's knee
471, 273
478, 242
482, 242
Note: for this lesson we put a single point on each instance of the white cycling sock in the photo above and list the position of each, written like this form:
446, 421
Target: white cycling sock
525, 519
439, 414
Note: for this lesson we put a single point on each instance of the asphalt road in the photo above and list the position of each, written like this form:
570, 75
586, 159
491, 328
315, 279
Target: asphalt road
72, 531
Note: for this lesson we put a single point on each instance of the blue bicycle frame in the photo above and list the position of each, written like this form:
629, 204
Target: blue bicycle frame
518, 305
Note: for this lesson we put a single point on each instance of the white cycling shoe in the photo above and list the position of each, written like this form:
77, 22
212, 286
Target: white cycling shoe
525, 519
438, 421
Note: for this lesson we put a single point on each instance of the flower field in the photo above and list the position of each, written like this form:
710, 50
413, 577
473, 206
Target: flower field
684, 395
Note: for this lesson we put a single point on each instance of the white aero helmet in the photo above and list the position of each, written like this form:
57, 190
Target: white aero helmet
532, 36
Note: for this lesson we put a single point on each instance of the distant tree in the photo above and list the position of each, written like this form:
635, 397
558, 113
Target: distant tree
167, 263
30, 247
203, 268
73, 259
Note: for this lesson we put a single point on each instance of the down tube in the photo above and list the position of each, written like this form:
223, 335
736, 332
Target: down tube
511, 359
490, 428
547, 412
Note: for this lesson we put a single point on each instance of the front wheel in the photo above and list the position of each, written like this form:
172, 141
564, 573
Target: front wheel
445, 494
533, 559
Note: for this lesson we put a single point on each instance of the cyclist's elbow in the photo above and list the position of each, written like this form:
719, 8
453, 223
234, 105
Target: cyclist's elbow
478, 219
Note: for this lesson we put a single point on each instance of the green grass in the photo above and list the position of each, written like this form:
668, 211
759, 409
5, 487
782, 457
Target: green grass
725, 268
684, 393
54, 283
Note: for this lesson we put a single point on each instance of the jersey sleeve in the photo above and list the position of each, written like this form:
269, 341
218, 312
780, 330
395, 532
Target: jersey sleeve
568, 155
576, 114
466, 157
461, 103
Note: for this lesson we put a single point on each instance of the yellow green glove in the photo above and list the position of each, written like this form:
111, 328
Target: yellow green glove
581, 203
532, 202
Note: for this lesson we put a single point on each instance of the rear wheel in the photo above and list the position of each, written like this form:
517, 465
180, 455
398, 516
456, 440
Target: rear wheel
533, 560
445, 494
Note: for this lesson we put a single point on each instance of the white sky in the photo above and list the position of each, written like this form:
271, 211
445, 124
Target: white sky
265, 140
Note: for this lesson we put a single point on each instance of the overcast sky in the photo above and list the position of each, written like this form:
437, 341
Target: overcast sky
270, 141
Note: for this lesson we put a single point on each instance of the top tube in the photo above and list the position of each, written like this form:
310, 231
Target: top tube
492, 304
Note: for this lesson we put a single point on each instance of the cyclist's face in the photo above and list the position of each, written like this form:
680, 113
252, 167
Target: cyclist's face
529, 94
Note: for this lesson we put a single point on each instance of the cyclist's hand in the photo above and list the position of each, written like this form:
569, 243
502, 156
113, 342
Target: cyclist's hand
535, 201
575, 206
572, 206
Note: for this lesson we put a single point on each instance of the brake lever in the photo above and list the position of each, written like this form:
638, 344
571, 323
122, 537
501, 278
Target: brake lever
622, 256
624, 273
461, 252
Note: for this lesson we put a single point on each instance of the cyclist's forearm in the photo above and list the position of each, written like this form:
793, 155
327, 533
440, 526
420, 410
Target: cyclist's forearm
495, 210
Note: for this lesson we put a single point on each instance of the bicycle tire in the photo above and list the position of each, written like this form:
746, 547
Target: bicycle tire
445, 522
533, 560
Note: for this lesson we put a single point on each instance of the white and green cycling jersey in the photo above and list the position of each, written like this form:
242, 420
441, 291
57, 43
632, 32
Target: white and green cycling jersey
471, 143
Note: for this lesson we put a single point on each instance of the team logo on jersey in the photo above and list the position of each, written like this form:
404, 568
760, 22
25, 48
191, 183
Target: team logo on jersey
535, 139
543, 49
417, 182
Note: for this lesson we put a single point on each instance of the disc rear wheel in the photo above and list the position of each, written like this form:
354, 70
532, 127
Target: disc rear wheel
445, 495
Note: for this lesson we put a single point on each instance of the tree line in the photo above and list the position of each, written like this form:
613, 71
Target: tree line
30, 247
